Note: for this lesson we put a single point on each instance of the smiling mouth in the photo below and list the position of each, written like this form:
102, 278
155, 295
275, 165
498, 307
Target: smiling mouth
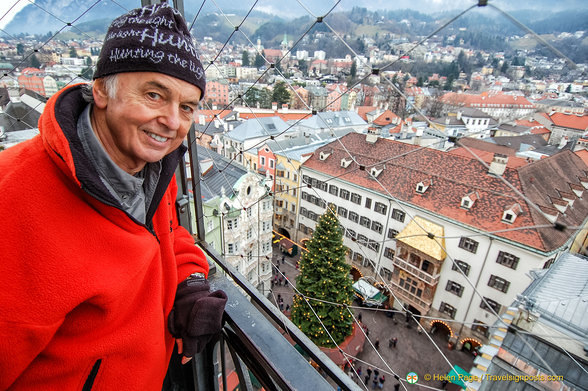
156, 137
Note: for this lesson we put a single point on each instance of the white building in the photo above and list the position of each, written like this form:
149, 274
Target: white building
415, 216
238, 216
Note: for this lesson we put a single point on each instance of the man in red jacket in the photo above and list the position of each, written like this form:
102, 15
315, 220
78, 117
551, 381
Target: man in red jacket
97, 276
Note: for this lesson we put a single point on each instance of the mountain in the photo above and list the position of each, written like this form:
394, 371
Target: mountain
270, 20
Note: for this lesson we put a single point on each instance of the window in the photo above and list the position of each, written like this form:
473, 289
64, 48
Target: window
386, 273
498, 283
249, 233
353, 217
454, 288
447, 309
364, 222
491, 305
232, 223
368, 203
350, 234
271, 163
380, 208
356, 198
262, 161
209, 225
293, 208
230, 248
377, 227
389, 253
373, 245
344, 194
333, 190
363, 240
507, 260
249, 212
392, 233
342, 212
480, 327
468, 244
411, 285
399, 215
465, 268
265, 226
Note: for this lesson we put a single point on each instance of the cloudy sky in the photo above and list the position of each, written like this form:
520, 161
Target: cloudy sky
5, 6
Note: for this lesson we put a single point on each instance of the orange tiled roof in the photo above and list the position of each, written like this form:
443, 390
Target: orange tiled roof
486, 99
363, 110
583, 154
385, 118
454, 176
570, 121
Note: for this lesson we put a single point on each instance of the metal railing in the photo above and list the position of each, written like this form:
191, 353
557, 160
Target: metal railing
253, 327
401, 263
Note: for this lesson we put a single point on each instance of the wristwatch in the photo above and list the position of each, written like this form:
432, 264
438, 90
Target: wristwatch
196, 276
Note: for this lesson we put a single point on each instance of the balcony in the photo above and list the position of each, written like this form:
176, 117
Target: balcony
280, 211
422, 305
415, 271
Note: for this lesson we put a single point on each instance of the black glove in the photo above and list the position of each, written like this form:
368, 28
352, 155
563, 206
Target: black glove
197, 314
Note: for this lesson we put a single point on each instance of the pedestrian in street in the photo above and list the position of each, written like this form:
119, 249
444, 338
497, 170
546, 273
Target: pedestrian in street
369, 373
394, 341
359, 371
396, 386
280, 281
281, 306
367, 332
367, 378
444, 384
382, 380
283, 260
359, 317
377, 344
390, 342
279, 298
376, 374
375, 383
287, 307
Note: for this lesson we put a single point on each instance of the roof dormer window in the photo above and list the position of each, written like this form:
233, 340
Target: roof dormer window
325, 154
375, 171
511, 213
421, 187
345, 162
469, 199
577, 189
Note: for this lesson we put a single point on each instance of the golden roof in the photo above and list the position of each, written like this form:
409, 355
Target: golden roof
415, 235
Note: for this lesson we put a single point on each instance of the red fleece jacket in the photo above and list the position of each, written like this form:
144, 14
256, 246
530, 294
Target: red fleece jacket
86, 290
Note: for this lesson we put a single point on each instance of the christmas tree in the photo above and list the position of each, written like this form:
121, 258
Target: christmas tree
324, 275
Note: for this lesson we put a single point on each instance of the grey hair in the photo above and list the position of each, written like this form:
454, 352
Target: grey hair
110, 85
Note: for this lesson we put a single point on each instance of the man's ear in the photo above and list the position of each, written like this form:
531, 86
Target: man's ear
100, 94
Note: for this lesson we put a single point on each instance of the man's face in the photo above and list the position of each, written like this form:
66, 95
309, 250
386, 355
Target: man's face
147, 118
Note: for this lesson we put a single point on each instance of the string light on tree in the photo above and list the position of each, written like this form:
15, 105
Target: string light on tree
326, 277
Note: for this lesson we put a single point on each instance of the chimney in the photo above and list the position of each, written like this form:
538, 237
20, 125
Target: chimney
274, 106
458, 116
498, 164
285, 108
201, 120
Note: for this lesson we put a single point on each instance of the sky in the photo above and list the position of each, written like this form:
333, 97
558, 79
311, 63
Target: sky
5, 6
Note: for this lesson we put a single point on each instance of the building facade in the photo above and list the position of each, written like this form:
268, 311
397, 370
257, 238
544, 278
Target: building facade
443, 232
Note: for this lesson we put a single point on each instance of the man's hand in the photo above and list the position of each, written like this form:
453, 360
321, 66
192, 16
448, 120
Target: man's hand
196, 316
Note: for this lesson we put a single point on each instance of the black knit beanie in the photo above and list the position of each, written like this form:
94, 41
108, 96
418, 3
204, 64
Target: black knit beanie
154, 38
